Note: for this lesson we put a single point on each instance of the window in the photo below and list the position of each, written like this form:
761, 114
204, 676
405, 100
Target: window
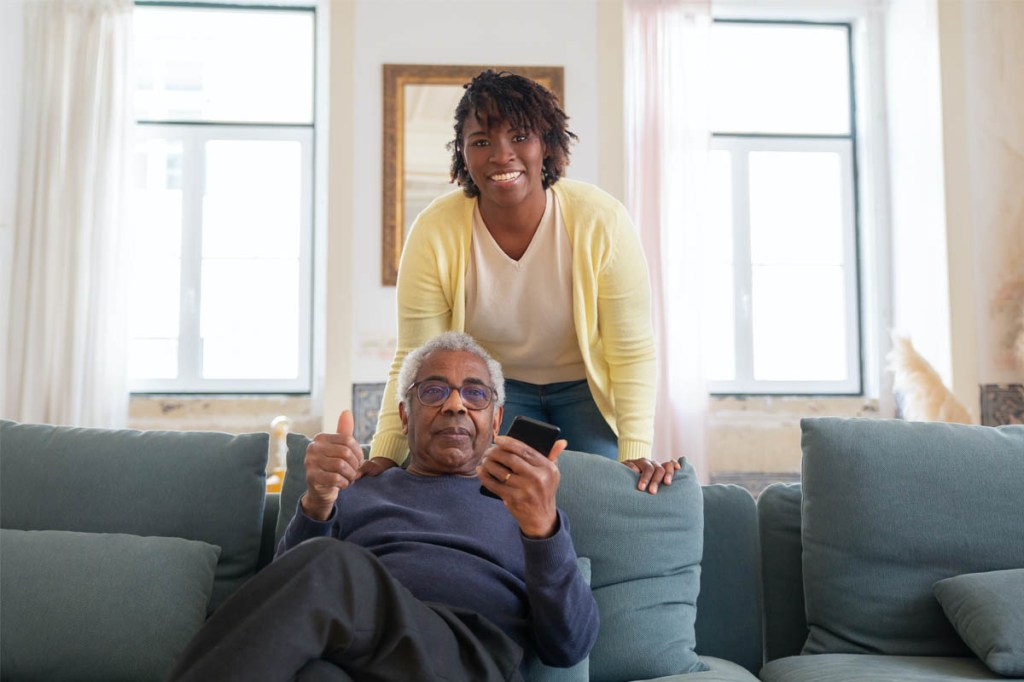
221, 295
783, 314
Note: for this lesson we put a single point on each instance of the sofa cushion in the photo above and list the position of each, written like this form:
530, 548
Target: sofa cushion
987, 610
194, 485
867, 668
729, 605
99, 606
889, 508
645, 552
718, 670
778, 515
294, 481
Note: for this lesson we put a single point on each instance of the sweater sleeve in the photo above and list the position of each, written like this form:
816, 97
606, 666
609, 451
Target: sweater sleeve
424, 311
563, 612
624, 314
302, 527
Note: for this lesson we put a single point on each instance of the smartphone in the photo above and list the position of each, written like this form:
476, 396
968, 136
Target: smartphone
539, 435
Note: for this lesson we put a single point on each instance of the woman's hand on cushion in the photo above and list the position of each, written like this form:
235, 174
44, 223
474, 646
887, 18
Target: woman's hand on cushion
652, 474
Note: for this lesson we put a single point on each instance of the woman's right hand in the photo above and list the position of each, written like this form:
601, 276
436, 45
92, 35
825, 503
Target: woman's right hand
375, 466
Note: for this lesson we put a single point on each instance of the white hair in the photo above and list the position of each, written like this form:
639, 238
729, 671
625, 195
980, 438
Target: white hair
455, 342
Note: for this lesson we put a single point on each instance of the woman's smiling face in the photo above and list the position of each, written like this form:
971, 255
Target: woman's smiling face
505, 163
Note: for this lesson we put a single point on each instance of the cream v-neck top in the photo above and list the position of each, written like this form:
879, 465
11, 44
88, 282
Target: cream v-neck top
521, 311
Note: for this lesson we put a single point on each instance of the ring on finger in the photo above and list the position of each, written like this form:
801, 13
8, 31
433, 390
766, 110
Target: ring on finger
507, 476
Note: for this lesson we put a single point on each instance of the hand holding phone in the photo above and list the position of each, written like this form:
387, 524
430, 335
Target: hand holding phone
539, 435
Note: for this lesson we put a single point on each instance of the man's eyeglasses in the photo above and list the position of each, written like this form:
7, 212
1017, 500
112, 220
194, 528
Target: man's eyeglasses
434, 393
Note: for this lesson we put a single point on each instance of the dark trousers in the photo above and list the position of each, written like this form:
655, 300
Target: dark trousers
333, 601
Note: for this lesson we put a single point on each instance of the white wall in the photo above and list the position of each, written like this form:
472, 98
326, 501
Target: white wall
10, 105
994, 96
529, 32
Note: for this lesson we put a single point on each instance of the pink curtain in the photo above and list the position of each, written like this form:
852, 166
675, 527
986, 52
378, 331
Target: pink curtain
666, 92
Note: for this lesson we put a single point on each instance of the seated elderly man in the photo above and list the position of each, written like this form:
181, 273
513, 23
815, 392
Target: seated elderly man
413, 574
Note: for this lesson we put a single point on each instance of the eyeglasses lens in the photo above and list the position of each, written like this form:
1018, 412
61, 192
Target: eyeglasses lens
434, 393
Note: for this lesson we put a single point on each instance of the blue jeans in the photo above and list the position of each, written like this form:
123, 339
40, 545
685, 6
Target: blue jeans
569, 406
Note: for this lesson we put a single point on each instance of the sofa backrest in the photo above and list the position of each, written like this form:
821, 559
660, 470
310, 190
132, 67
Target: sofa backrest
193, 485
729, 614
785, 625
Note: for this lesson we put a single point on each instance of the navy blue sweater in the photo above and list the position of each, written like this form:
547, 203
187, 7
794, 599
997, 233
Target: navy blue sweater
447, 543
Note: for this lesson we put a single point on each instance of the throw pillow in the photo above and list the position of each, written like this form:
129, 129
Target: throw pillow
890, 507
294, 485
645, 553
987, 610
99, 606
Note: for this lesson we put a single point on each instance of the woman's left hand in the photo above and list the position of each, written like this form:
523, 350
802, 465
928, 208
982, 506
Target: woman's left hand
652, 474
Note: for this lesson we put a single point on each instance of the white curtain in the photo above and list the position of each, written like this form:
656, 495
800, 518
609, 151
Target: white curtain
65, 356
666, 92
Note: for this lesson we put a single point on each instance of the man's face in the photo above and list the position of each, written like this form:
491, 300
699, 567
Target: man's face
448, 438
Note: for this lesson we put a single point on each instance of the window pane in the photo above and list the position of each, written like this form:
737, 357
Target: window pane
717, 239
719, 314
205, 64
252, 200
154, 296
796, 213
799, 323
156, 198
249, 320
153, 358
771, 78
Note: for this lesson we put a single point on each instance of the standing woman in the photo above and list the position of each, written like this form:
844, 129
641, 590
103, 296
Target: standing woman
546, 273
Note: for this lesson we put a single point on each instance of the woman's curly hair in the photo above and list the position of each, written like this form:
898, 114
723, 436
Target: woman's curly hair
495, 96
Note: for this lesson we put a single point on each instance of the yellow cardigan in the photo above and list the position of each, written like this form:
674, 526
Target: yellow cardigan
611, 307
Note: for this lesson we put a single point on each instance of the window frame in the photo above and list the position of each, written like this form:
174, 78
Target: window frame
739, 144
193, 135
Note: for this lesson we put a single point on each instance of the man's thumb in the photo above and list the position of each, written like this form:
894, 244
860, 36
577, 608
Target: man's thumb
346, 423
557, 448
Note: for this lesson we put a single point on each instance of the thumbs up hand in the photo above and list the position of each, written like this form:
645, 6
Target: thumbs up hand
332, 464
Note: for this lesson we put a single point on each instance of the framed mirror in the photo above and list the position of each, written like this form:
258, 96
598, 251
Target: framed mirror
419, 109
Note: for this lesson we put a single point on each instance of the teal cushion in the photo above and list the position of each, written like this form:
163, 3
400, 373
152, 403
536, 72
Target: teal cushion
889, 508
645, 552
778, 514
194, 485
729, 605
294, 482
867, 668
95, 606
987, 610
538, 672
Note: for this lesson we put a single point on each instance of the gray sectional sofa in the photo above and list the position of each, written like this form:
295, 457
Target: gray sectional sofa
116, 544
